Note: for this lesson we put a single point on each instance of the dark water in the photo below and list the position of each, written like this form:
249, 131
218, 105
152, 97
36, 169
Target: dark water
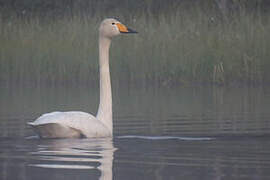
170, 133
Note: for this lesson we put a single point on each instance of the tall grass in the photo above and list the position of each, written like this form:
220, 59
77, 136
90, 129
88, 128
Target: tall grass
189, 46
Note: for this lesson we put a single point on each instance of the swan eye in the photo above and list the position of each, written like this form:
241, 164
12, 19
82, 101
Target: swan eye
113, 23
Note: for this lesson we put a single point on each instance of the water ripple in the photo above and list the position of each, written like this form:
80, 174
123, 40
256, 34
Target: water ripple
168, 138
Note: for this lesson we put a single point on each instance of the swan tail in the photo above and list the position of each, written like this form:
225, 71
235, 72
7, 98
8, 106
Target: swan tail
31, 124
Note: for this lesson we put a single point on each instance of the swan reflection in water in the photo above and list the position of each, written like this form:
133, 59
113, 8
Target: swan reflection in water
76, 154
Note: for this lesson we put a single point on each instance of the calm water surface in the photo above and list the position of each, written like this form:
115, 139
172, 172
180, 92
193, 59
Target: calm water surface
167, 133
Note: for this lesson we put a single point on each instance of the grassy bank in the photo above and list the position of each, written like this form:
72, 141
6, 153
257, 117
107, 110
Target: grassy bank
189, 46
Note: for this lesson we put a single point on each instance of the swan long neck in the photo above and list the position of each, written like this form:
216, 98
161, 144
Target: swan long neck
105, 105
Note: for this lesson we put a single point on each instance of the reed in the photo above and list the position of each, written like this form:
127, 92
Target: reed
183, 47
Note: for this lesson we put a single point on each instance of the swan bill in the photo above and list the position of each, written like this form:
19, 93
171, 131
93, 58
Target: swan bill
130, 31
123, 29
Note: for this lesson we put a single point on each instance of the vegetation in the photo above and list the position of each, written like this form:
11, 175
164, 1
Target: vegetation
175, 45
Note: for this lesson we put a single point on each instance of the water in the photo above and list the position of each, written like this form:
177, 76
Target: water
167, 133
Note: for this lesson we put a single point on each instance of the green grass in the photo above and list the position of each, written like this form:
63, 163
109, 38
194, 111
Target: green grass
187, 47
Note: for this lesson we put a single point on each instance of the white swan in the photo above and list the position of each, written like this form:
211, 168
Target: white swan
80, 124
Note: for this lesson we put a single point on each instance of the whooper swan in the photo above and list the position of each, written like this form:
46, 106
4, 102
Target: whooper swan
74, 124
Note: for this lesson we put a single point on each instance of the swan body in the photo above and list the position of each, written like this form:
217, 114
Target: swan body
74, 124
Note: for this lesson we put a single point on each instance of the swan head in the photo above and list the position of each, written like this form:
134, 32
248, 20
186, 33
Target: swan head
111, 27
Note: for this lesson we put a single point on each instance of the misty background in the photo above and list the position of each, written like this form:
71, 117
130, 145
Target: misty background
223, 42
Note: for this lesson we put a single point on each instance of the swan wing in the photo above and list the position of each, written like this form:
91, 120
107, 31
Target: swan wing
69, 124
